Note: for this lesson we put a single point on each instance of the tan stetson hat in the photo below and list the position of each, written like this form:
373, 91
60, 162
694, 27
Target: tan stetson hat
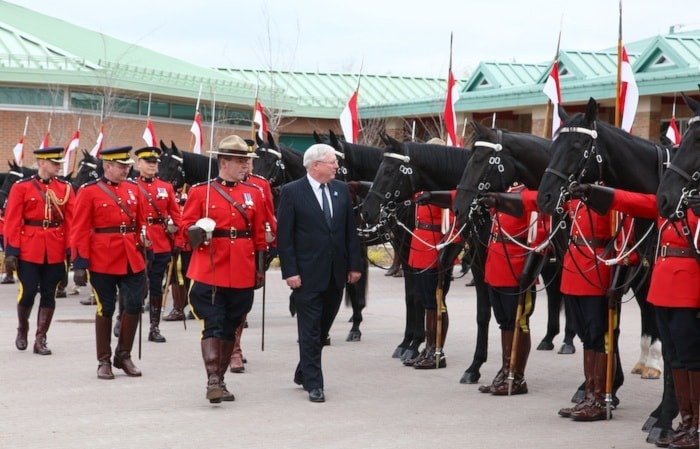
234, 146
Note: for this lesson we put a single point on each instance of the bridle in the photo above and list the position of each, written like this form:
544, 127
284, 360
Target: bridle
692, 185
279, 175
179, 179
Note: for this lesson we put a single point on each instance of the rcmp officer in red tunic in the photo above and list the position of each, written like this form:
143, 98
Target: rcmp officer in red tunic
225, 223
108, 243
675, 292
163, 221
37, 225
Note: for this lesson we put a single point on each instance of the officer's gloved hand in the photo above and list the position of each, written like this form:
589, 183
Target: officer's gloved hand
693, 204
80, 277
580, 190
489, 199
423, 198
176, 252
11, 263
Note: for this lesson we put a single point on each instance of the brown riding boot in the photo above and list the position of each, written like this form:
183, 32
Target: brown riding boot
500, 379
103, 329
236, 359
519, 385
428, 360
595, 410
588, 367
43, 323
23, 327
154, 334
178, 312
122, 354
226, 348
681, 384
211, 354
689, 439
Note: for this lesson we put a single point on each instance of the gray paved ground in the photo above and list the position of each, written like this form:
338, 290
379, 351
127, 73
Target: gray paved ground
372, 400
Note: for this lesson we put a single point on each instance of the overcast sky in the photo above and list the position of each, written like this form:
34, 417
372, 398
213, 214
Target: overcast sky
399, 37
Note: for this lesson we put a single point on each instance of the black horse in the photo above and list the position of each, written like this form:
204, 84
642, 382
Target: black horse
183, 167
683, 177
408, 168
90, 169
11, 177
499, 159
588, 150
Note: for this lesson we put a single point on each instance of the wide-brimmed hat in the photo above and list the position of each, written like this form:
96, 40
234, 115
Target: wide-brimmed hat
151, 154
117, 154
234, 146
53, 154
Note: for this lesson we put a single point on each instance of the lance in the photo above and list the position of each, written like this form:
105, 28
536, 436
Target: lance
168, 279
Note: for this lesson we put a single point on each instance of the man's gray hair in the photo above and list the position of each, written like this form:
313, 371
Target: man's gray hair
316, 153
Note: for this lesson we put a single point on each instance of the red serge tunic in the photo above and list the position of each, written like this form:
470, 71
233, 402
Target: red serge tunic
505, 259
226, 262
427, 234
675, 281
96, 211
34, 235
270, 218
163, 196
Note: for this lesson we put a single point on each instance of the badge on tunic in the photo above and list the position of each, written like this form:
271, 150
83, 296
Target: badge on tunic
131, 195
248, 199
161, 192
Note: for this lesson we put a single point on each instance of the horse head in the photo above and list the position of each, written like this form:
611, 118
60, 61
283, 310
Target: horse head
269, 164
394, 183
338, 145
89, 169
682, 179
15, 174
574, 157
170, 166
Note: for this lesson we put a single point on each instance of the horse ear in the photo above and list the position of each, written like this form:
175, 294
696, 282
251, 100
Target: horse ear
384, 139
694, 105
333, 139
271, 139
162, 145
563, 116
258, 140
591, 111
317, 138
481, 130
173, 146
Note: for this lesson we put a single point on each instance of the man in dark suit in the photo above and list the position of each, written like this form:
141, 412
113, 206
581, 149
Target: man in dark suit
319, 252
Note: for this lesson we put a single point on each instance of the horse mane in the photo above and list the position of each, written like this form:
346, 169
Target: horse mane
293, 161
362, 161
445, 164
196, 167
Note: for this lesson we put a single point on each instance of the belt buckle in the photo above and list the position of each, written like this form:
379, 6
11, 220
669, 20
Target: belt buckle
122, 229
233, 233
663, 251
45, 224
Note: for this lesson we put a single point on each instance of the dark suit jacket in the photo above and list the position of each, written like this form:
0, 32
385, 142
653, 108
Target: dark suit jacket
307, 245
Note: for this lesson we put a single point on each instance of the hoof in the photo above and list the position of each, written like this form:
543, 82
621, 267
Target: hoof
578, 396
657, 433
354, 336
651, 373
638, 368
409, 354
470, 377
567, 349
545, 345
398, 352
649, 423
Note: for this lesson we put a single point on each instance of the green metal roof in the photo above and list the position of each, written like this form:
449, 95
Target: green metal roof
324, 95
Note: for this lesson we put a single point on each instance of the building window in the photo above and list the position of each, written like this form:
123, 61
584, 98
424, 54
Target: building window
31, 96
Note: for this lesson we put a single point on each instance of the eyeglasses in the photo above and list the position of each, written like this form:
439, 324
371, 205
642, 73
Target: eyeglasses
335, 162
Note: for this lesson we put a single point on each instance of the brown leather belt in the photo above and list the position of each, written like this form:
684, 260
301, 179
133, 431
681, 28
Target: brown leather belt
123, 229
669, 251
428, 227
156, 220
43, 223
232, 233
503, 238
593, 243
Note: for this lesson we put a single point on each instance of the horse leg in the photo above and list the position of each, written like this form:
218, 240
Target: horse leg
357, 294
659, 423
483, 316
552, 278
410, 317
418, 330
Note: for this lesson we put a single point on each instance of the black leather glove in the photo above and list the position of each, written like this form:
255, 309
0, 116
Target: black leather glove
176, 252
11, 263
292, 305
580, 190
80, 277
693, 204
423, 198
489, 199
